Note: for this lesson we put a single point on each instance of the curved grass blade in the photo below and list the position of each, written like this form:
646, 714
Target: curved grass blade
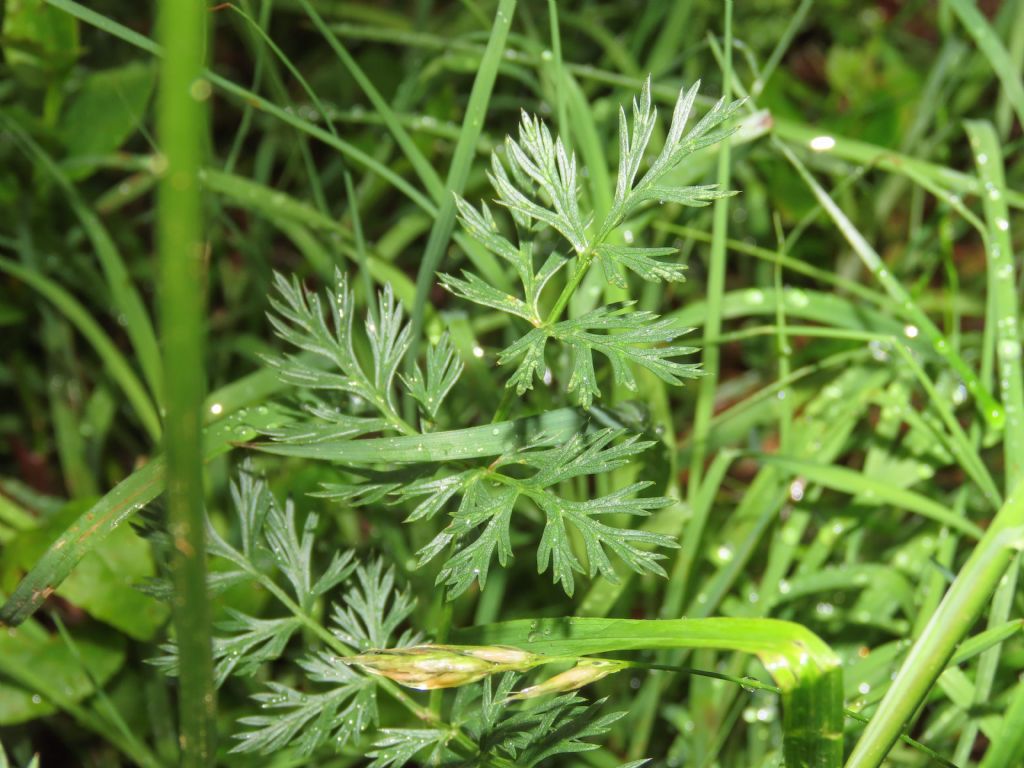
796, 132
806, 670
991, 411
111, 27
123, 501
273, 204
85, 716
1002, 299
875, 156
846, 480
428, 176
989, 44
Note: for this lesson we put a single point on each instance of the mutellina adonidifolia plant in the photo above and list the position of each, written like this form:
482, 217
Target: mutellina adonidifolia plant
561, 473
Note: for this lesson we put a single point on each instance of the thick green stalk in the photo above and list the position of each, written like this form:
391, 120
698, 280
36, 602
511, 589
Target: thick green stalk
181, 128
968, 596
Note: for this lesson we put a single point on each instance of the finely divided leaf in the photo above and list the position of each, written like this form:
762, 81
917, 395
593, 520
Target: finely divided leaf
622, 336
489, 498
372, 610
443, 369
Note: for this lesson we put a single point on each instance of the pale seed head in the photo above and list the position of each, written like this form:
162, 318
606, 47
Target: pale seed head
585, 672
426, 667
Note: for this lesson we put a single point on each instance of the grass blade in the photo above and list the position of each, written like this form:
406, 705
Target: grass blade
127, 303
428, 176
118, 505
990, 45
454, 445
989, 409
715, 291
458, 172
806, 670
1007, 749
966, 598
846, 480
255, 100
1002, 297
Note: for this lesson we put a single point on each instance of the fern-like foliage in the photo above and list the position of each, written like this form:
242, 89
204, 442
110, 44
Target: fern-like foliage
372, 611
336, 703
271, 549
537, 184
525, 737
307, 721
323, 328
622, 336
487, 497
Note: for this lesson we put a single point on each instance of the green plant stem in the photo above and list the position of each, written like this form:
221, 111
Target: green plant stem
715, 289
458, 172
582, 265
181, 129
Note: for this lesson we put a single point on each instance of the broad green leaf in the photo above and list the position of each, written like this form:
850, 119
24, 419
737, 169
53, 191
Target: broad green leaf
46, 657
109, 107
